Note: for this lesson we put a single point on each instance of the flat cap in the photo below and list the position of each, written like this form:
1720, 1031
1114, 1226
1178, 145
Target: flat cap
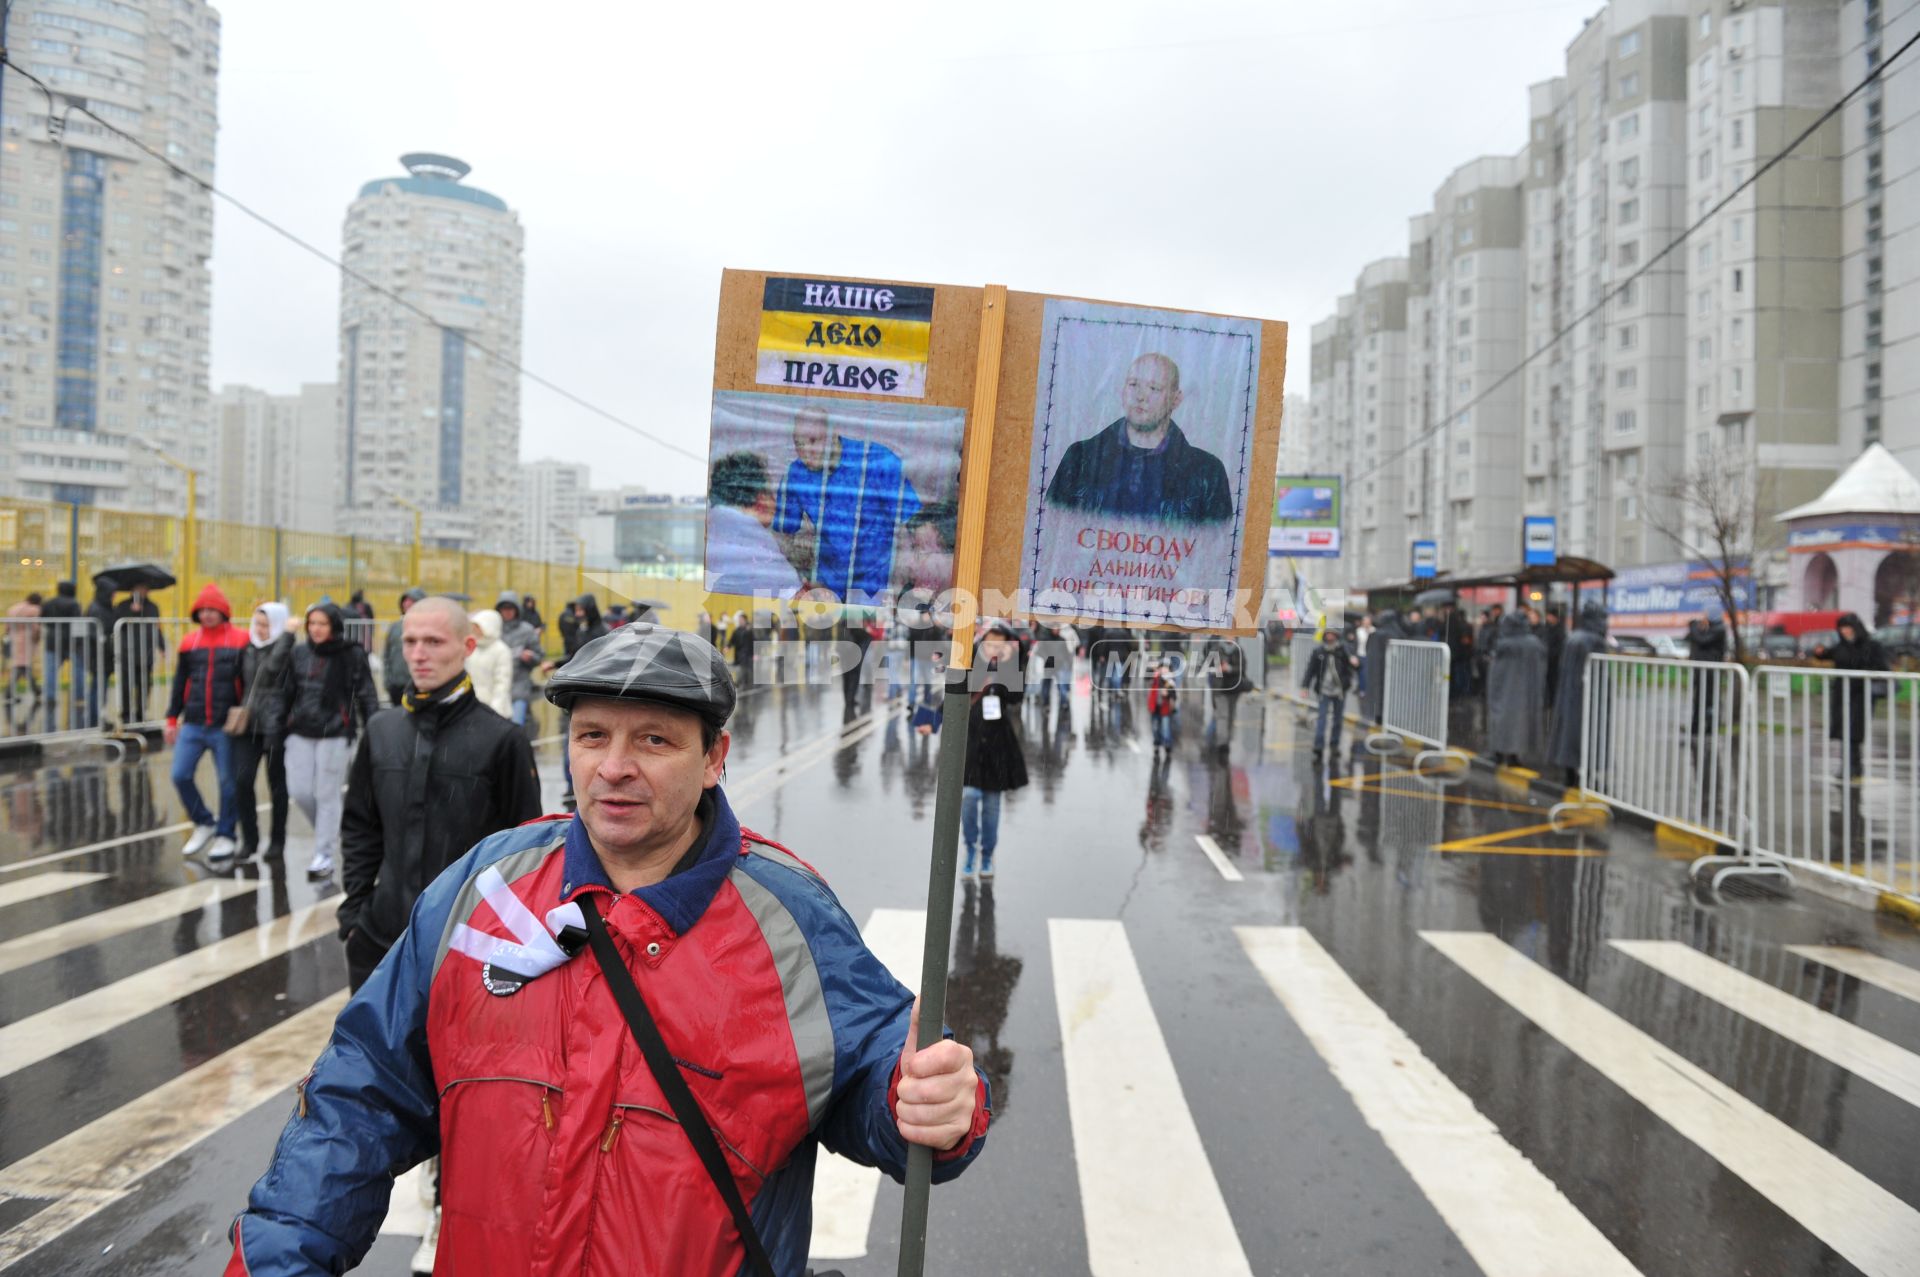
642, 661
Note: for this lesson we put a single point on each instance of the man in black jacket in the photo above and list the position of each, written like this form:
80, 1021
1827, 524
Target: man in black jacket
1143, 464
62, 641
432, 777
141, 647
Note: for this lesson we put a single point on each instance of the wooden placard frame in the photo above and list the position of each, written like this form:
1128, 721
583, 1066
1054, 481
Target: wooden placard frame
953, 361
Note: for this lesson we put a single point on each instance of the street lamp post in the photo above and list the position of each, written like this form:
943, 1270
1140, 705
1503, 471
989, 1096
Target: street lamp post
413, 554
189, 540
580, 556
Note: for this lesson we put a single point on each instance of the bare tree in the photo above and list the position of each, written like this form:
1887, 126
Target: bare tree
1711, 511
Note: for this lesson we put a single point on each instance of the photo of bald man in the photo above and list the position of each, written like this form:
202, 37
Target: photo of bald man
1143, 464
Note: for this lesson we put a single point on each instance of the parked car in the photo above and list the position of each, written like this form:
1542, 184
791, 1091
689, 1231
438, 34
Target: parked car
1817, 638
1669, 645
1773, 645
1630, 645
1902, 643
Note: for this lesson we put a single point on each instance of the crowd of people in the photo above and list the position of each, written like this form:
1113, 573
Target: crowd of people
1523, 671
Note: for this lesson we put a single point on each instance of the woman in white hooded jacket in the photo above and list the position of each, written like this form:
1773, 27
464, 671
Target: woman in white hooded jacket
491, 665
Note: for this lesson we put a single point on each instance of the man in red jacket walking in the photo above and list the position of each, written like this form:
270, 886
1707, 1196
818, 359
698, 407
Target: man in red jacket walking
207, 683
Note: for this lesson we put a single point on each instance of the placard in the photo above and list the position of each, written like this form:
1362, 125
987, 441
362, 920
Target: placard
857, 498
829, 335
1141, 453
1426, 559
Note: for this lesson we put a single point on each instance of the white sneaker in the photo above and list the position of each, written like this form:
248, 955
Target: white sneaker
321, 866
200, 837
221, 848
423, 1257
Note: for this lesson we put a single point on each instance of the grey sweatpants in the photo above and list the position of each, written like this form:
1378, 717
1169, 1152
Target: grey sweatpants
316, 772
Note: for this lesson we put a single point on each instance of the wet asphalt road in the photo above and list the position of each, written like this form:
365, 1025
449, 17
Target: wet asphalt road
1107, 831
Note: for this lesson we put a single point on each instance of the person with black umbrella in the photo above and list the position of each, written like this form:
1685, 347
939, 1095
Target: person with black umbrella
142, 644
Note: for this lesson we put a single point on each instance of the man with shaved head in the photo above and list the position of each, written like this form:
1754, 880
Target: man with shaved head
1142, 464
432, 776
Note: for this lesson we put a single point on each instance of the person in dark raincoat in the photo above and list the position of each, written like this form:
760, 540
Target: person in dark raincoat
1386, 628
1589, 636
1847, 706
1706, 641
996, 760
580, 624
1553, 632
393, 658
1516, 693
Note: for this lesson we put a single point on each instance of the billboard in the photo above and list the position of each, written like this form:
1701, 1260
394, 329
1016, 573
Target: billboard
1668, 595
1306, 517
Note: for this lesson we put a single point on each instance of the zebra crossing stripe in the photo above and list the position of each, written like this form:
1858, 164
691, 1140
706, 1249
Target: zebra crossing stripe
844, 1192
1219, 858
1869, 1227
1510, 1217
91, 1168
1148, 1194
108, 923
1853, 1048
39, 885
47, 1033
1861, 965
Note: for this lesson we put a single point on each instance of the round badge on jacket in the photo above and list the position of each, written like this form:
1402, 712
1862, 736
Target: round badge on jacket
500, 982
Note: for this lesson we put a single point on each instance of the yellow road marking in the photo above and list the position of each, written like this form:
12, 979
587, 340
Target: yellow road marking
1499, 842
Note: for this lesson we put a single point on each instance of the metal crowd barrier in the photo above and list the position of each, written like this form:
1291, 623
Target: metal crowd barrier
1663, 739
143, 661
367, 633
55, 679
1836, 775
1414, 701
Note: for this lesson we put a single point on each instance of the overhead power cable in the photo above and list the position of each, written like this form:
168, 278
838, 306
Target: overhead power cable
388, 293
1651, 262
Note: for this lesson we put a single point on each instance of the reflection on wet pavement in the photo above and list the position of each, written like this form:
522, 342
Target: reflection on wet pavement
148, 992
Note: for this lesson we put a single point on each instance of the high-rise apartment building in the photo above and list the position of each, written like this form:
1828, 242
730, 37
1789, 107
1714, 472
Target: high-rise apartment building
1474, 273
104, 285
429, 409
1765, 320
1569, 353
1606, 190
275, 464
551, 498
1880, 236
1374, 515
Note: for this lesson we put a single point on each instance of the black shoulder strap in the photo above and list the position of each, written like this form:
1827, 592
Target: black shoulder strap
685, 1108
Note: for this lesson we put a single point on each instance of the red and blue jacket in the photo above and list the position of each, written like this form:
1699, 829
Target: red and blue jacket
207, 677
559, 1154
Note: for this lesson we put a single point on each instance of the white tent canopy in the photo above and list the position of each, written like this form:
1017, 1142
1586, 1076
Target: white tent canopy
1875, 484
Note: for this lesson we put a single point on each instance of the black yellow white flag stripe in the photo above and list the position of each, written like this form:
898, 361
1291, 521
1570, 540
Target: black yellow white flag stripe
858, 338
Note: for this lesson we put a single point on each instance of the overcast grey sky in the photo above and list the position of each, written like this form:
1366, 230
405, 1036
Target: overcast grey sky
1247, 158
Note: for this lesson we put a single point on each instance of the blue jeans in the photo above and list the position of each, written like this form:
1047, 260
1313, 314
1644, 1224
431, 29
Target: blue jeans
519, 713
980, 824
82, 695
194, 741
1331, 708
1163, 729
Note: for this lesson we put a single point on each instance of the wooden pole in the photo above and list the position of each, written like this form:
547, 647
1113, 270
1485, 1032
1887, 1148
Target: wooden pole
955, 706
